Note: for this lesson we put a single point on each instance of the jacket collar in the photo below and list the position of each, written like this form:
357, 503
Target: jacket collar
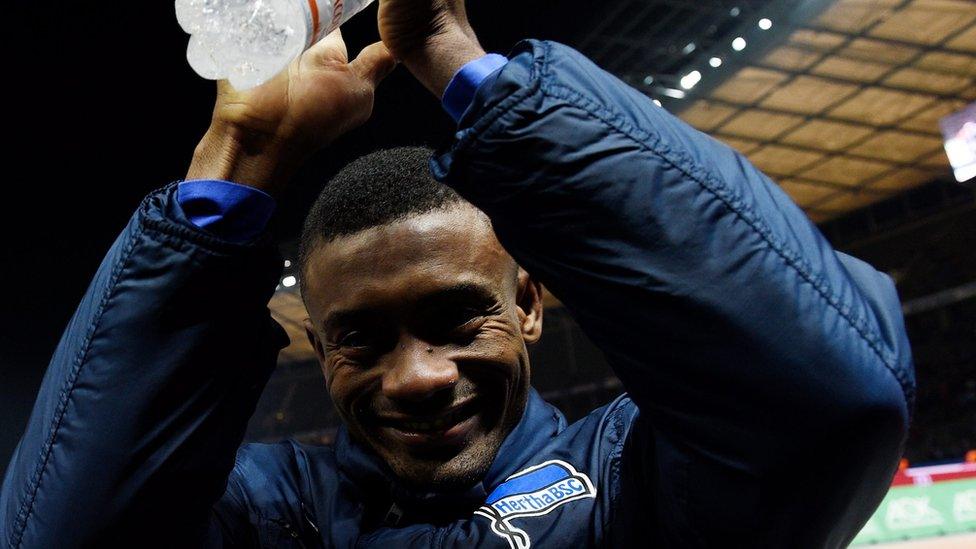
388, 500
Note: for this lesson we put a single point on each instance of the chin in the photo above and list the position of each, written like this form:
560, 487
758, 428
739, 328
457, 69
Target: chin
458, 472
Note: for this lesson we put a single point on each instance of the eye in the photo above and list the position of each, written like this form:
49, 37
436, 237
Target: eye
354, 340
461, 318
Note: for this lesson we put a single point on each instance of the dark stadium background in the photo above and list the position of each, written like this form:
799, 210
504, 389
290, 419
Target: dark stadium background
100, 108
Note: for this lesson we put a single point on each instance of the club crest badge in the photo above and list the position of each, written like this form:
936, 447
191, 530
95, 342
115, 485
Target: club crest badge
533, 492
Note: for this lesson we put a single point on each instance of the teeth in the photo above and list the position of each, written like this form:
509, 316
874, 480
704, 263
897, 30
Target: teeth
433, 425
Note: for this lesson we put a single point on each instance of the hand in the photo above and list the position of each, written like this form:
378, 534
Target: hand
433, 38
259, 137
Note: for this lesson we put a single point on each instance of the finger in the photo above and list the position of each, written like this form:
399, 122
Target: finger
332, 48
374, 63
224, 87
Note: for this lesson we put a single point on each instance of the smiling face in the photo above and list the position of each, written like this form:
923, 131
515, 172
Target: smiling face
421, 328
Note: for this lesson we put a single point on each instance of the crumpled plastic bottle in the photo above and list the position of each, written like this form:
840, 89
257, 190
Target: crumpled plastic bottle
250, 41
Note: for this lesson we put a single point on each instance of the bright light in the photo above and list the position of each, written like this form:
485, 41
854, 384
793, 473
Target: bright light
287, 263
289, 281
739, 44
734, 12
965, 173
959, 130
671, 92
765, 24
691, 79
961, 150
689, 48
658, 102
648, 80
715, 62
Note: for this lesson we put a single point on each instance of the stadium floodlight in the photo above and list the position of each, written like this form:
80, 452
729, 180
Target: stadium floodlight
691, 79
648, 80
689, 48
715, 62
765, 24
739, 44
658, 103
289, 281
287, 263
673, 93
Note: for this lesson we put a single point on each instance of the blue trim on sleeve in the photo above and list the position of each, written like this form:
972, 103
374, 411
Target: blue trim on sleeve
460, 91
233, 212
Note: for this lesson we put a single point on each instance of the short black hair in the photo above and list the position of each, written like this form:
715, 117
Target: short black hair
376, 189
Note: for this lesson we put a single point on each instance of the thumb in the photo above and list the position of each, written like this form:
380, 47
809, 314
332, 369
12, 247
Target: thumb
374, 63
224, 87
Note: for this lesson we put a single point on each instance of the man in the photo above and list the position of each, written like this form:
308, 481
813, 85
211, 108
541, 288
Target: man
769, 377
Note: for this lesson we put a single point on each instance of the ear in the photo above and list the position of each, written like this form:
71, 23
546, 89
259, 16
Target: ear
528, 301
313, 339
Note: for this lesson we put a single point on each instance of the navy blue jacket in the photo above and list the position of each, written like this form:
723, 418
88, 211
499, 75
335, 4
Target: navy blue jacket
769, 377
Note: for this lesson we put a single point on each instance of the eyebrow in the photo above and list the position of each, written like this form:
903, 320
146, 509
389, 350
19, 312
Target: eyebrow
462, 291
344, 318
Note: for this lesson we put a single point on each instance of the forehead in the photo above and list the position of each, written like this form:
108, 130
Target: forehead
407, 260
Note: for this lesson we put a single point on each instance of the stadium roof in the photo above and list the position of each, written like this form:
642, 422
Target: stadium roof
843, 109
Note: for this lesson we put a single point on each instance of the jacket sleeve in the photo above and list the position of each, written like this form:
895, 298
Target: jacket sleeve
773, 374
148, 394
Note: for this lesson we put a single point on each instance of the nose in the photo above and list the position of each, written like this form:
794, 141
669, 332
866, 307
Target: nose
417, 372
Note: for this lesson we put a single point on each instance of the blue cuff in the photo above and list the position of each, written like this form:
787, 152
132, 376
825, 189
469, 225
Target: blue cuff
233, 212
460, 91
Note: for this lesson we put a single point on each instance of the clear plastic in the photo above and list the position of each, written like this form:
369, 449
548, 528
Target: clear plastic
250, 41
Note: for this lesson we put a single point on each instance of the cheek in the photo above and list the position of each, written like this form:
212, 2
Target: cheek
497, 342
346, 386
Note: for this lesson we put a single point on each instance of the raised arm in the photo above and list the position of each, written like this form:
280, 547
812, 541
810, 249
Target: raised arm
772, 374
147, 397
